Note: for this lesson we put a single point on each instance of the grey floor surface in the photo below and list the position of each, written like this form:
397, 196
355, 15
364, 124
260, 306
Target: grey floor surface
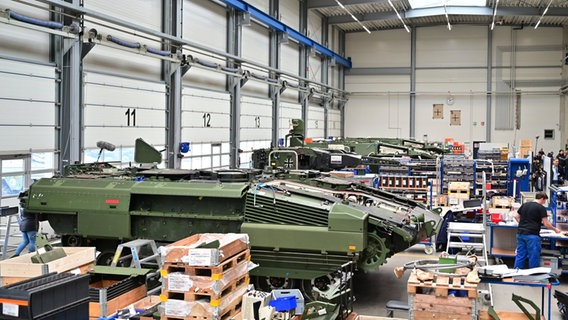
373, 289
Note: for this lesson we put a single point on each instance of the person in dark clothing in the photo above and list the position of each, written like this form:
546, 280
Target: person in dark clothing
531, 216
28, 226
557, 173
562, 162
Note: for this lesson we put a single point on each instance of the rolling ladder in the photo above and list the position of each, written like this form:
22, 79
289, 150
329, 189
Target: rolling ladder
9, 216
475, 235
476, 243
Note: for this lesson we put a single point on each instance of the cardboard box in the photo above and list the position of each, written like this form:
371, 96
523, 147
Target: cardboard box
16, 269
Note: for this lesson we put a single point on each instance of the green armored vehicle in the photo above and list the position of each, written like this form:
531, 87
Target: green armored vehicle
302, 227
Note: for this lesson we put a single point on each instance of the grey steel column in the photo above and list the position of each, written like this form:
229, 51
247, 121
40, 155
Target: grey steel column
489, 87
172, 22
234, 41
325, 80
274, 62
69, 95
304, 97
412, 128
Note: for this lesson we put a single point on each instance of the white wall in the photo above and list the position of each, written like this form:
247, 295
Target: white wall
124, 93
454, 64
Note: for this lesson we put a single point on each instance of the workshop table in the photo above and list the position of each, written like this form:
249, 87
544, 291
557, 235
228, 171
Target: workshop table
509, 281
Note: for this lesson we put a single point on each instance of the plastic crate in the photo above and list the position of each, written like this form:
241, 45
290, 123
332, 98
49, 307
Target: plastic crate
52, 294
291, 292
283, 304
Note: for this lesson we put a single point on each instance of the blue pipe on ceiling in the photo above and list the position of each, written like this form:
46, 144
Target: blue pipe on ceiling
279, 26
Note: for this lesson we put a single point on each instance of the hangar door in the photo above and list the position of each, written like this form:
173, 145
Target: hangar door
119, 110
288, 111
315, 125
205, 124
256, 127
29, 124
334, 123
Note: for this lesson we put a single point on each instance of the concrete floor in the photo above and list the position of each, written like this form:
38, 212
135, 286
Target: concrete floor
373, 289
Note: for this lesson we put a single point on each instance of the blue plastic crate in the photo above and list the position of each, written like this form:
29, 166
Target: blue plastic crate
283, 303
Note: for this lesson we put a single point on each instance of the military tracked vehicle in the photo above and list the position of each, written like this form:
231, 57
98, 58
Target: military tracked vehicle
302, 227
296, 154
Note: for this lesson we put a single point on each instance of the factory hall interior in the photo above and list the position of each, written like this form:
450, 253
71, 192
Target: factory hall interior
284, 159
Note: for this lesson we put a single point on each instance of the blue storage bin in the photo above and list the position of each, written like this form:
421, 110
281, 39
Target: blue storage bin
283, 303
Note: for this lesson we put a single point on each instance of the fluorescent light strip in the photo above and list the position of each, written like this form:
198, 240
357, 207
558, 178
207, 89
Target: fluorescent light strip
543, 13
494, 14
352, 16
447, 18
399, 17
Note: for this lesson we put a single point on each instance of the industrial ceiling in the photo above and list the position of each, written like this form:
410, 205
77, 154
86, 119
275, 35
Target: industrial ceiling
369, 15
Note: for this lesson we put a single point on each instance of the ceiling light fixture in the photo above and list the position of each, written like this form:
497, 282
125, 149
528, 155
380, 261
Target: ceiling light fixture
543, 13
494, 14
399, 17
352, 16
447, 17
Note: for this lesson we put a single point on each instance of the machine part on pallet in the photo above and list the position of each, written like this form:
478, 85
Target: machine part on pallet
433, 267
518, 300
318, 310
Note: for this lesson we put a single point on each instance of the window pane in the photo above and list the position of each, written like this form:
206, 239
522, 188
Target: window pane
42, 161
12, 165
12, 186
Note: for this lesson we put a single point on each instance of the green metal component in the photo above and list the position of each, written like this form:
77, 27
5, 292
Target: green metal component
48, 256
375, 253
145, 153
347, 218
288, 237
491, 311
120, 271
518, 300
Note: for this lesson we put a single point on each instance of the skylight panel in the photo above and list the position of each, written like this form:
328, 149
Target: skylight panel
419, 4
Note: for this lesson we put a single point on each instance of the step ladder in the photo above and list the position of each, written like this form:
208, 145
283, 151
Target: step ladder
9, 216
470, 236
137, 254
476, 243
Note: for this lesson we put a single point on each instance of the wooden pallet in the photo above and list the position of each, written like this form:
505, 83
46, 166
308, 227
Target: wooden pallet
229, 263
446, 308
233, 311
208, 293
441, 285
179, 281
501, 207
177, 251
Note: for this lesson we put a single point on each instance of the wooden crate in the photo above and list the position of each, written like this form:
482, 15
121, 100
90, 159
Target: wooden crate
441, 307
21, 268
441, 285
225, 307
501, 202
230, 290
105, 308
342, 174
430, 299
506, 315
181, 279
184, 250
